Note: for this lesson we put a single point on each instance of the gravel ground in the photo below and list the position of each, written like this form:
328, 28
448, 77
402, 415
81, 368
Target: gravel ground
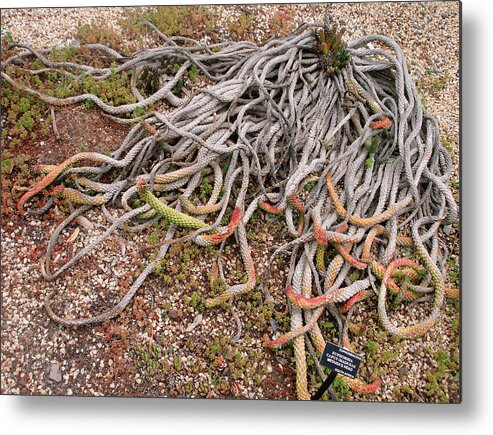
162, 324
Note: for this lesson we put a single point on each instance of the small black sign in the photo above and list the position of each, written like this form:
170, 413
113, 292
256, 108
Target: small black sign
340, 360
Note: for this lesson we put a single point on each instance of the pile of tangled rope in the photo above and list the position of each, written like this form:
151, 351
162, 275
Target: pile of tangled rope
304, 108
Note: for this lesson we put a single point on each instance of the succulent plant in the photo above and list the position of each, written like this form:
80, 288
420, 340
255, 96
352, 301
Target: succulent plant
332, 50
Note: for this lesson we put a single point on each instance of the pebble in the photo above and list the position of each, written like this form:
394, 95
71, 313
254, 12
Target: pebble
403, 371
173, 314
55, 373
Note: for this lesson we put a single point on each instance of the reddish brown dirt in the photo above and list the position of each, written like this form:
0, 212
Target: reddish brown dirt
80, 129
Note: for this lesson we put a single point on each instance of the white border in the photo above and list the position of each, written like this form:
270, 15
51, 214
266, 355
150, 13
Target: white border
38, 416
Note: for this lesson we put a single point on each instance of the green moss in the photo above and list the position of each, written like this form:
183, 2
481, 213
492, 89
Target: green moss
191, 21
99, 33
445, 366
138, 112
424, 101
148, 358
453, 271
239, 26
177, 363
310, 185
8, 38
369, 162
152, 239
193, 73
354, 276
23, 115
382, 337
372, 145
64, 54
7, 166
389, 355
196, 301
371, 348
444, 362
25, 111
328, 328
206, 189
218, 286
182, 277
24, 105
448, 145
341, 389
204, 388
438, 83
281, 23
12, 163
214, 349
